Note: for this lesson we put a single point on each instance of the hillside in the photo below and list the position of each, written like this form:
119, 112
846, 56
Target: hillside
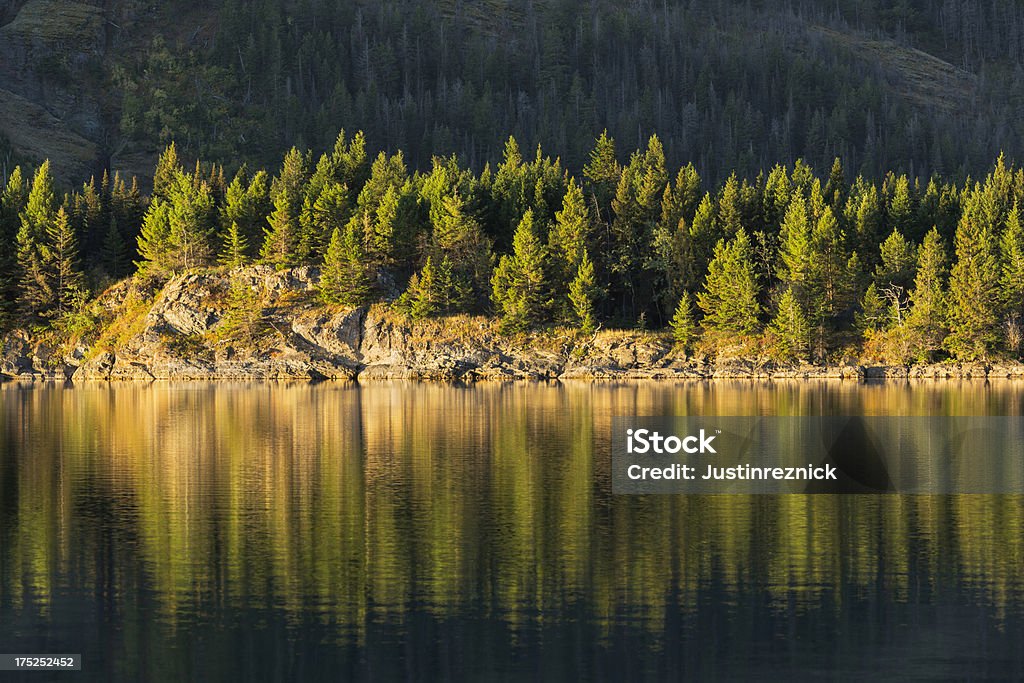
924, 87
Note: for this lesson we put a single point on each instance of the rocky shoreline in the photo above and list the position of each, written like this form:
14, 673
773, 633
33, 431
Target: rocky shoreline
176, 337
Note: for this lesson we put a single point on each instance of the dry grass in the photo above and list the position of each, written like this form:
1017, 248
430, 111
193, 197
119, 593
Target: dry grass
920, 77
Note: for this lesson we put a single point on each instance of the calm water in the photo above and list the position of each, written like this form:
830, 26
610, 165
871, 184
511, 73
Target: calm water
275, 532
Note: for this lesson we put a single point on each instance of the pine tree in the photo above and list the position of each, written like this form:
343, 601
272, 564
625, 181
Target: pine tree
873, 315
37, 294
154, 238
899, 258
167, 168
973, 294
235, 251
281, 240
345, 279
430, 290
12, 203
684, 326
927, 318
177, 231
583, 292
62, 265
282, 235
1011, 281
115, 250
729, 299
829, 268
790, 328
796, 253
459, 240
247, 205
603, 172
567, 242
520, 292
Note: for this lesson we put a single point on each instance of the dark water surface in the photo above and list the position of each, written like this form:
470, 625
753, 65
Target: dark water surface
390, 531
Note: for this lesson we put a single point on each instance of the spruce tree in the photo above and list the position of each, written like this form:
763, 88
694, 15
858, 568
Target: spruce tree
430, 290
567, 242
873, 315
795, 249
729, 299
603, 172
345, 279
790, 328
583, 292
62, 265
973, 290
234, 252
927, 318
115, 250
1011, 247
684, 326
12, 202
519, 285
154, 238
282, 234
37, 294
898, 260
167, 168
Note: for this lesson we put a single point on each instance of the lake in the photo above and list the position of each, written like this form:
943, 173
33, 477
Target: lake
424, 531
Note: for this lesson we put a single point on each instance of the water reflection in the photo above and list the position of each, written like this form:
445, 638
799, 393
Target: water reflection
420, 530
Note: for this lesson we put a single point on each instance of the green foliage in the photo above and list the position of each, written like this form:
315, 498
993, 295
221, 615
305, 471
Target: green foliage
345, 279
62, 266
872, 315
520, 292
928, 306
177, 231
432, 291
243, 319
790, 330
235, 251
729, 299
37, 294
973, 294
583, 292
684, 326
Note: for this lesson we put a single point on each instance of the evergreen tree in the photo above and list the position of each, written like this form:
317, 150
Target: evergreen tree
431, 290
37, 294
603, 172
898, 260
234, 253
790, 328
12, 203
177, 231
345, 279
583, 292
520, 292
167, 169
872, 316
684, 326
62, 265
567, 243
115, 250
796, 253
927, 318
282, 235
1011, 280
973, 295
729, 299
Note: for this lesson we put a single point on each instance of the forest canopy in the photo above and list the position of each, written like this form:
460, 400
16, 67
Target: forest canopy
792, 263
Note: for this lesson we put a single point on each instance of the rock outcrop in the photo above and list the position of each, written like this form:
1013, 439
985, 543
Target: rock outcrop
259, 323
